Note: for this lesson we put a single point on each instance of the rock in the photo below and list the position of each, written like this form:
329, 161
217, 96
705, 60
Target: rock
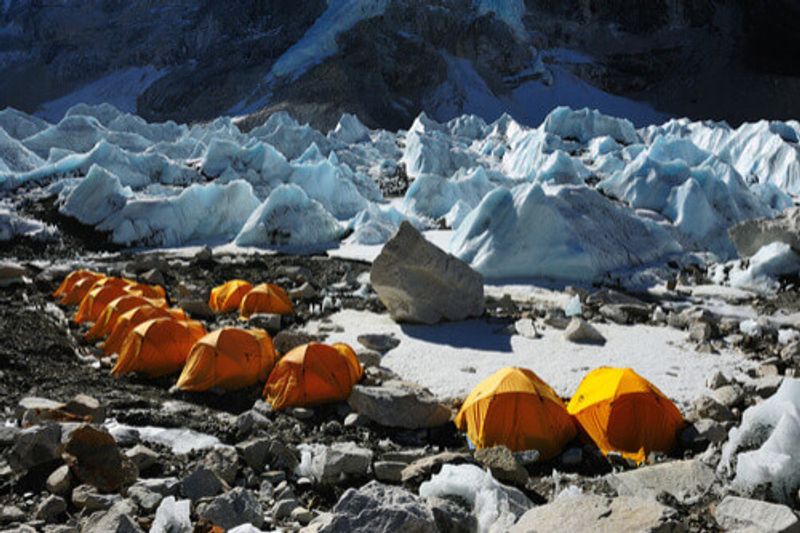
728, 395
86, 497
451, 517
51, 508
153, 276
10, 514
32, 410
681, 479
282, 457
94, 458
399, 404
368, 358
301, 413
581, 332
503, 465
60, 481
341, 459
35, 446
590, 512
239, 506
422, 469
706, 407
205, 255
306, 291
526, 328
767, 386
626, 313
173, 516
749, 236
224, 462
701, 331
250, 422
118, 519
87, 408
197, 308
380, 508
287, 340
378, 343
556, 318
572, 457
146, 499
166, 486
389, 471
7, 435
716, 380
418, 282
356, 420
11, 273
283, 508
142, 456
301, 515
701, 433
202, 482
735, 513
269, 322
255, 452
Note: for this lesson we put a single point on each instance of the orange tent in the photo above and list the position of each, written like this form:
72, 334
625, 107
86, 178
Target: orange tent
78, 292
623, 412
158, 347
514, 408
312, 374
229, 359
99, 297
265, 298
73, 278
129, 320
227, 297
148, 291
115, 309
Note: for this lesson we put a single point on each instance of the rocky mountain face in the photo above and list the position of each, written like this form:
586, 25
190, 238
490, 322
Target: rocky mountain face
726, 59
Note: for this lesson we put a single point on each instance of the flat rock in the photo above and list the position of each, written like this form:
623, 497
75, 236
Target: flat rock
378, 343
11, 273
223, 461
418, 282
399, 404
86, 497
379, 508
389, 471
142, 456
422, 469
202, 482
10, 514
118, 519
581, 332
734, 513
589, 512
682, 479
86, 408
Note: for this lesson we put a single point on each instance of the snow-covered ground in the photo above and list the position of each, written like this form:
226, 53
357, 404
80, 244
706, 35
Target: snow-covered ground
450, 359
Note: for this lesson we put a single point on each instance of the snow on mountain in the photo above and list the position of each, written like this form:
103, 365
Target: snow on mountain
581, 197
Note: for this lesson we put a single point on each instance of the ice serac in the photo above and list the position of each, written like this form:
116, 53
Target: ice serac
558, 232
97, 197
418, 282
288, 217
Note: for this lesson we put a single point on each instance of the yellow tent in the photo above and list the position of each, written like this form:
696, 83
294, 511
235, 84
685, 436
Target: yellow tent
265, 298
227, 297
229, 359
158, 347
130, 319
514, 408
73, 278
115, 309
312, 374
74, 295
623, 412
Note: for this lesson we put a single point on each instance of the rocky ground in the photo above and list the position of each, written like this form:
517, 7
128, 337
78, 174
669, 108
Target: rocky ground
72, 458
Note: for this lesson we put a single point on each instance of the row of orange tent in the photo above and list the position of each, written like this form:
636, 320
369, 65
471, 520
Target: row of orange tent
248, 299
156, 341
616, 408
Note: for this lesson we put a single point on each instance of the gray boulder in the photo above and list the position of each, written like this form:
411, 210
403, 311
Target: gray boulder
378, 508
589, 512
682, 479
234, 508
118, 519
503, 465
399, 404
581, 332
35, 446
734, 513
749, 236
201, 483
418, 282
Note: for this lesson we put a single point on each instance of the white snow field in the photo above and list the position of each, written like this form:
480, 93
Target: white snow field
584, 197
451, 359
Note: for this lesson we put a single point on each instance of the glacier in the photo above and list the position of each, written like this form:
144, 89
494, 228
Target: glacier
582, 198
